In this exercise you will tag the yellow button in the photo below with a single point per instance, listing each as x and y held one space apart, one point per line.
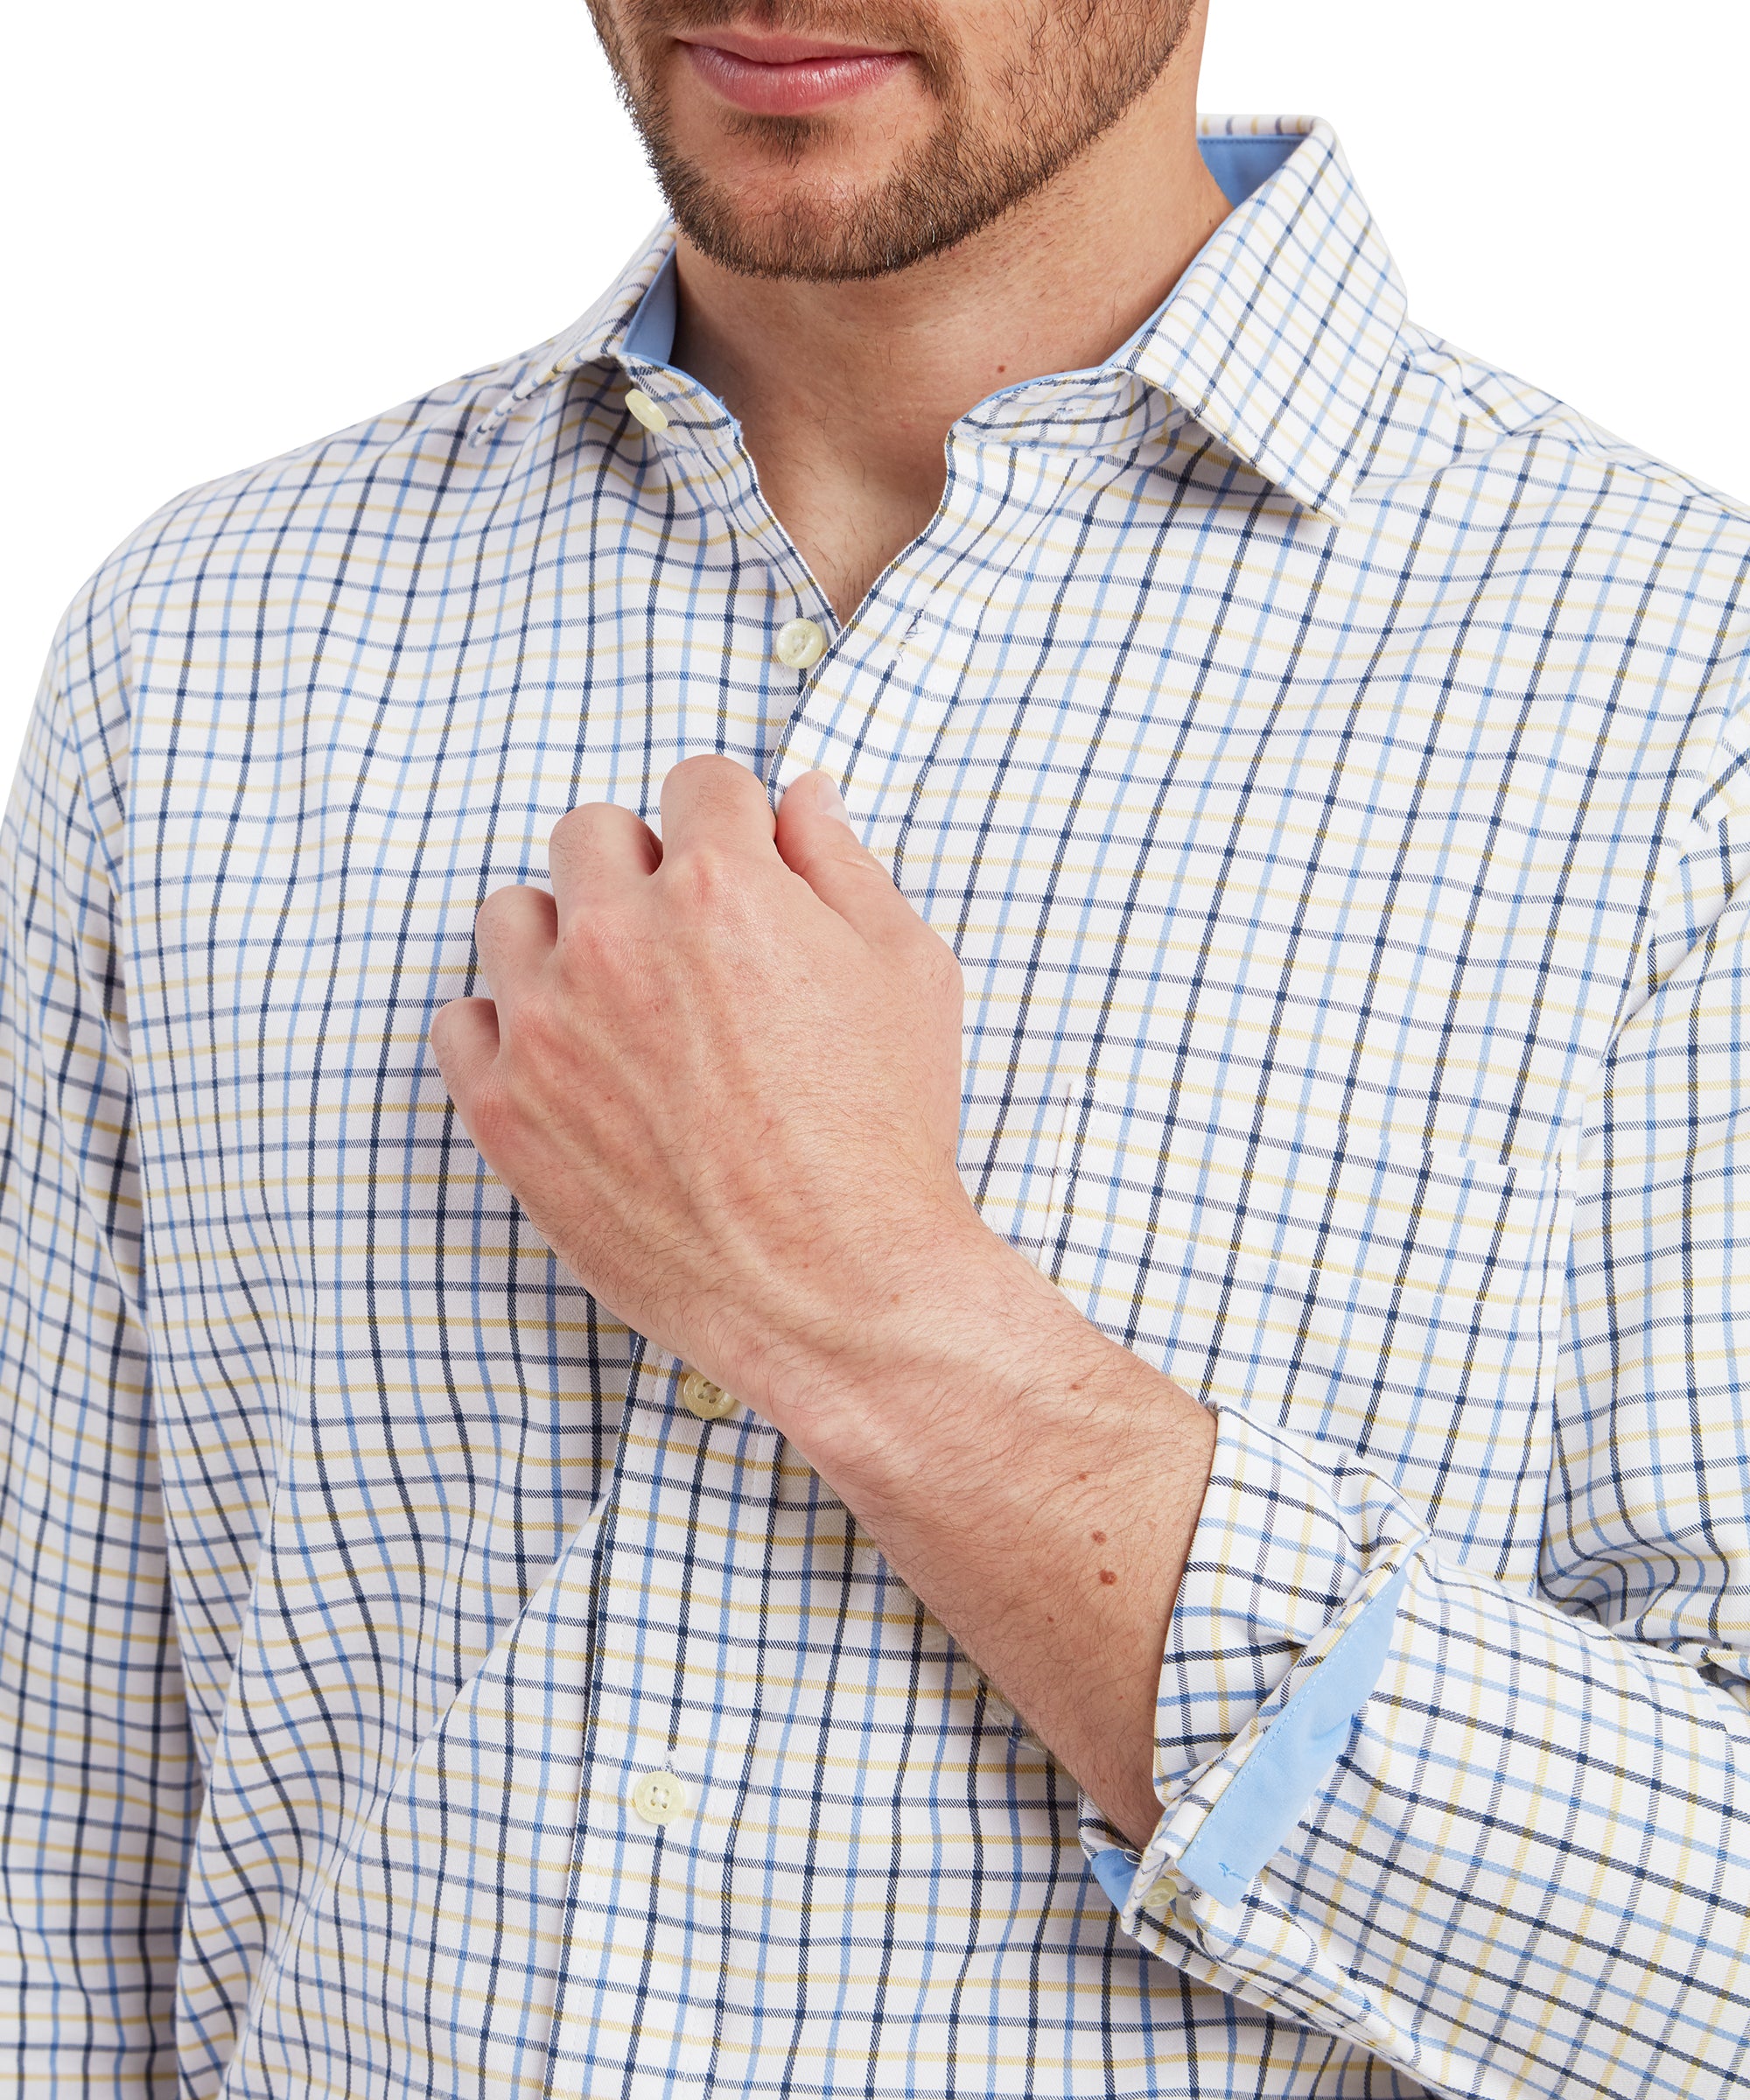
645 411
699 1397
659 1797
801 643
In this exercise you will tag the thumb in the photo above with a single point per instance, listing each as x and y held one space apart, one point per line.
817 842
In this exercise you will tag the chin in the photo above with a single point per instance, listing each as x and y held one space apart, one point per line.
830 225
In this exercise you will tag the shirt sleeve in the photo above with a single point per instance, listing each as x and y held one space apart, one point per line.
1501 1840
96 1775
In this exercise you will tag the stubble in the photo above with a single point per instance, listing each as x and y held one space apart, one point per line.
1075 67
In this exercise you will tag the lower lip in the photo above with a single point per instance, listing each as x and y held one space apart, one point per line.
792 89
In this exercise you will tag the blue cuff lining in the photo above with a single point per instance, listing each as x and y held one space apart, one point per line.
1267 1796
1114 1870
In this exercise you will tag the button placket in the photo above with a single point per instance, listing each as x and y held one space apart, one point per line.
653 1837
874 711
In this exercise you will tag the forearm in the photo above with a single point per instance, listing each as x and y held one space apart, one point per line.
1037 1486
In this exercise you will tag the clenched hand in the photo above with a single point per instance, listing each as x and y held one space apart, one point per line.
722 1075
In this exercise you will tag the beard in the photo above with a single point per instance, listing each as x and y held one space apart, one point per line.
1080 65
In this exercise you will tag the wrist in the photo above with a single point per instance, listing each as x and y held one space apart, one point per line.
966 1357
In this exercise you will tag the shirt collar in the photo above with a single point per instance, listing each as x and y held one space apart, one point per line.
1273 340
1275 337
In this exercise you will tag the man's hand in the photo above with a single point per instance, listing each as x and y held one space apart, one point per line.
721 1075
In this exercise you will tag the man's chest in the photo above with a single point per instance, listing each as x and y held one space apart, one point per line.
1295 912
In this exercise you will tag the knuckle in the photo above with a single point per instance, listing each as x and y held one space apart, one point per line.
707 766
706 878
594 951
579 826
707 785
498 910
446 1033
572 827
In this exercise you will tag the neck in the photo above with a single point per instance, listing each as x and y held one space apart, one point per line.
845 392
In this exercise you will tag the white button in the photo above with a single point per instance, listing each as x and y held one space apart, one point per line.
659 1797
701 1397
645 411
801 643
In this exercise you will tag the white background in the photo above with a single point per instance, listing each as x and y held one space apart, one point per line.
233 225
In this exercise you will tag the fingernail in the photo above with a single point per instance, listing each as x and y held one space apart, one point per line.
829 802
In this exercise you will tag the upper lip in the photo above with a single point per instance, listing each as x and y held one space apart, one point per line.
768 50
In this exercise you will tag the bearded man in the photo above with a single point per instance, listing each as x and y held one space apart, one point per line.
1023 1375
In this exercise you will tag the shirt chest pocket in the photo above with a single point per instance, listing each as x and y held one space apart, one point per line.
1397 1304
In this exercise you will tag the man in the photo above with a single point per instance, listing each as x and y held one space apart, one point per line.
1158 1509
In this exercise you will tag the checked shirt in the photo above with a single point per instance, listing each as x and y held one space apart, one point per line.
1328 756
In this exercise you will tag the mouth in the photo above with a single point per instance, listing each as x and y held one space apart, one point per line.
770 75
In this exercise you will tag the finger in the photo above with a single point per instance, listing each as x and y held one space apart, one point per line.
465 1042
712 801
598 851
817 841
515 931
